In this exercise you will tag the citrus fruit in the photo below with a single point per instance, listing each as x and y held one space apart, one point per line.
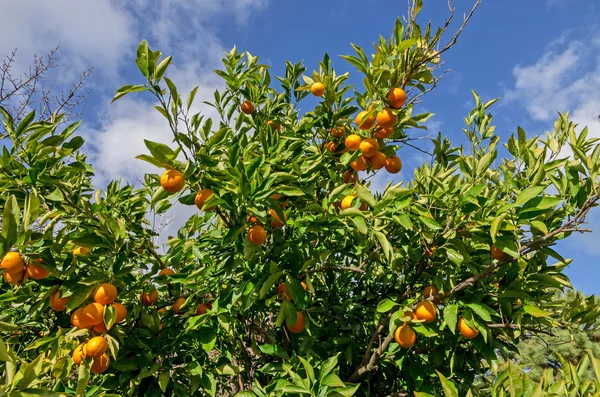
105 294
121 312
426 311
172 181
298 326
363 122
257 235
12 262
393 164
57 303
100 364
396 98
148 299
377 161
350 176
465 330
93 313
317 89
352 142
37 272
360 164
177 305
405 336
386 118
247 107
201 198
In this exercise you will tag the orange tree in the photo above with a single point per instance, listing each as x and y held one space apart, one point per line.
294 277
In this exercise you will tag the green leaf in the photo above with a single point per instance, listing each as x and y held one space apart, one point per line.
332 380
508 245
128 89
191 96
328 366
79 296
448 387
404 220
208 338
161 68
365 195
274 350
110 316
451 317
430 223
480 310
32 371
528 194
385 245
163 380
269 283
386 305
245 393
82 379
496 223
10 220
535 311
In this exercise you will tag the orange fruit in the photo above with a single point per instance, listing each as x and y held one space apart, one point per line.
93 313
177 305
384 132
363 207
369 147
426 311
350 176
337 132
347 202
432 291
386 118
497 253
100 364
274 125
276 221
105 294
172 181
257 235
148 299
12 262
166 272
396 98
282 291
331 146
57 303
14 278
405 336
410 314
360 164
298 326
121 312
203 308
77 319
352 142
364 123
465 330
201 198
317 89
79 354
393 164
100 328
377 161
277 197
81 251
36 272
247 107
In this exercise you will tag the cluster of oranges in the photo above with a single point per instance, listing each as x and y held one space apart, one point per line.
15 270
426 311
298 326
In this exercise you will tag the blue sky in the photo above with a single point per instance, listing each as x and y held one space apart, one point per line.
540 56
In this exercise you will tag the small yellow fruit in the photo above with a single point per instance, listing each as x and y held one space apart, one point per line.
317 89
365 123
369 147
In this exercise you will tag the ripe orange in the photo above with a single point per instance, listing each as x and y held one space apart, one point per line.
177 305
369 147
148 299
347 202
377 161
277 197
201 198
331 146
465 330
37 272
384 132
83 251
100 364
247 107
410 314
166 272
77 319
251 219
274 125
337 132
79 354
100 328
497 253
121 312
393 164
386 118
14 278
317 89
172 181
396 98
360 164
405 336
105 294
93 313
257 235
12 262
297 327
365 123
350 176
432 291
203 308
57 303
352 142
426 311
276 221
